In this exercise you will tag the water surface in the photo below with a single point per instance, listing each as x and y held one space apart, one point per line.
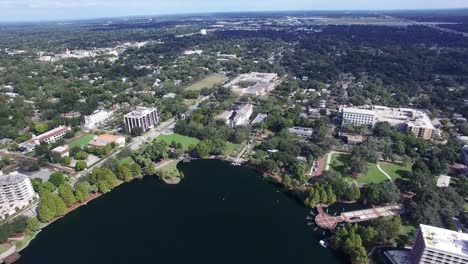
217 214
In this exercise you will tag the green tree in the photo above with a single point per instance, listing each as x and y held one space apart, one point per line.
57 178
33 225
124 173
103 186
82 190
41 127
66 193
81 165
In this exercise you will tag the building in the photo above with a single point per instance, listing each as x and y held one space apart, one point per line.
435 245
301 131
16 192
96 119
253 84
48 137
238 117
443 181
142 117
103 140
404 119
203 32
464 154
63 151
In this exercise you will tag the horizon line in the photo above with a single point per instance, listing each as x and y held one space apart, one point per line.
223 12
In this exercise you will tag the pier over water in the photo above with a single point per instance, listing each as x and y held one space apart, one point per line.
327 221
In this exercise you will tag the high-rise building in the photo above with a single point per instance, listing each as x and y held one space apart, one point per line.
16 192
434 245
142 117
96 119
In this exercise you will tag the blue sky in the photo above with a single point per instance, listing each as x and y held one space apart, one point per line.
37 10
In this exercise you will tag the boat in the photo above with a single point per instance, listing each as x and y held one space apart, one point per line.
310 223
309 217
323 243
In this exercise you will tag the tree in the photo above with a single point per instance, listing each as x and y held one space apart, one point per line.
33 225
41 127
136 131
57 178
150 170
81 155
81 165
136 170
65 161
103 186
66 193
124 173
202 149
82 190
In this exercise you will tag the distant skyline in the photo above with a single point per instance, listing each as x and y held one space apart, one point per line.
46 10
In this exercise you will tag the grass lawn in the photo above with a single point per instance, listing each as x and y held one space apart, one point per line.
4 247
396 171
232 149
81 142
207 82
373 174
171 166
184 140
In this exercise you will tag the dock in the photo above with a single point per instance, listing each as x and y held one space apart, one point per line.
327 221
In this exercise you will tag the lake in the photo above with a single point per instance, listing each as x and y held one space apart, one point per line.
217 214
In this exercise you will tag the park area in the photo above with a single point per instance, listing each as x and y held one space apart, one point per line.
373 175
185 141
81 142
207 82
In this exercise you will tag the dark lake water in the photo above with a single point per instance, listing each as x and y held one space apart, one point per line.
217 214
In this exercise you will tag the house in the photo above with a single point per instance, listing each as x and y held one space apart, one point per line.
63 151
103 140
301 131
48 137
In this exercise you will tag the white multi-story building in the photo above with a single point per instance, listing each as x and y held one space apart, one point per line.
96 119
48 137
16 192
238 117
142 117
253 84
434 245
414 120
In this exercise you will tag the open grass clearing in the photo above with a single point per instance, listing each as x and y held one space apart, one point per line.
81 142
207 82
184 140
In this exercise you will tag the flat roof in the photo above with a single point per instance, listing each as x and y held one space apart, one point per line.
140 112
443 181
445 240
60 149
13 178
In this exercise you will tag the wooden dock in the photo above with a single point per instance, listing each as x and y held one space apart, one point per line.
327 221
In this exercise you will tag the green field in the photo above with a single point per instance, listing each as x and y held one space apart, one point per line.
184 140
396 171
4 247
373 174
232 149
171 166
207 82
81 142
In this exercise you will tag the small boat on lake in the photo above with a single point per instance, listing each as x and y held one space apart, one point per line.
323 243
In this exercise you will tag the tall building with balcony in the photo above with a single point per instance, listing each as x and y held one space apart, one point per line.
142 117
434 245
96 119
16 192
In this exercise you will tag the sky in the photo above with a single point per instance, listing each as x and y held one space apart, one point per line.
42 10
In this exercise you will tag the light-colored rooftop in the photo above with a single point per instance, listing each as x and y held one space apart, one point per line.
60 149
443 181
13 178
140 112
445 240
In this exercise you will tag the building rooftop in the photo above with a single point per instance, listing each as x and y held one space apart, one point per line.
443 181
140 112
445 240
12 178
48 134
60 149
